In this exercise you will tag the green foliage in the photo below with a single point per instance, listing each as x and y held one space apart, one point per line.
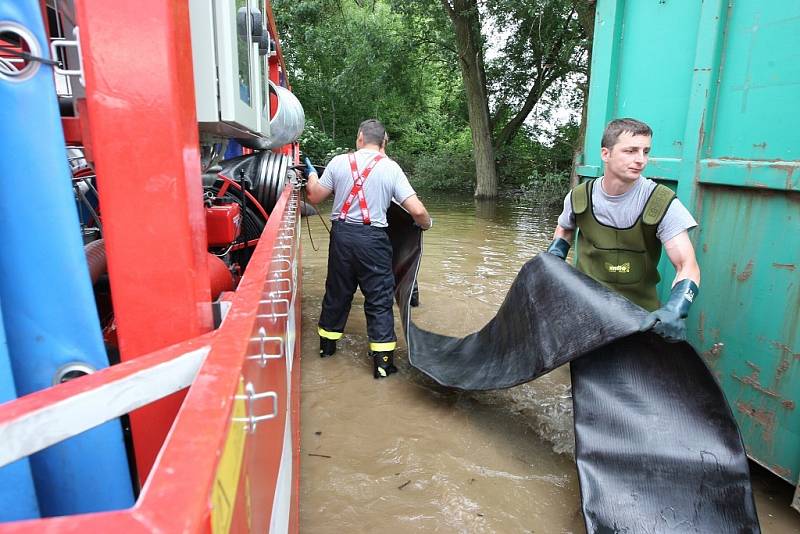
525 158
545 41
565 142
396 60
550 187
444 171
533 168
450 167
349 61
315 143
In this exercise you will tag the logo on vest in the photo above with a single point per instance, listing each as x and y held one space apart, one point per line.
623 268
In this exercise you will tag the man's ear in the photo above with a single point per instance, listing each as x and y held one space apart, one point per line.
604 154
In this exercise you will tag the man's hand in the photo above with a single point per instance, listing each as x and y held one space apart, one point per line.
559 248
424 228
669 321
417 210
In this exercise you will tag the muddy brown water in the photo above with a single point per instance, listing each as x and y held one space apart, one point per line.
404 454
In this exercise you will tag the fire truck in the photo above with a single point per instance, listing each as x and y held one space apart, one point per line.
150 294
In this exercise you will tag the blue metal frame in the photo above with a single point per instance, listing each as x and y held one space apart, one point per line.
17 494
49 311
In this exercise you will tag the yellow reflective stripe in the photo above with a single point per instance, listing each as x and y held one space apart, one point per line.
229 468
329 335
383 347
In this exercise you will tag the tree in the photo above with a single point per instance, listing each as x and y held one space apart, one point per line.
544 43
430 69
470 46
348 61
586 13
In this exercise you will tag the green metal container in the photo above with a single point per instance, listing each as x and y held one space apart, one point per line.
719 83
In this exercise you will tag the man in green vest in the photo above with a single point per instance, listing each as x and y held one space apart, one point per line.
624 219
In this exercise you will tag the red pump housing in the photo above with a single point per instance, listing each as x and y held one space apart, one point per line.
223 224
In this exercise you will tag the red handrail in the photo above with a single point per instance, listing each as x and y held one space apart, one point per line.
176 497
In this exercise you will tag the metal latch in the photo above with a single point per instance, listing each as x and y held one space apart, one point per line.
283 286
57 43
282 261
251 397
263 356
273 314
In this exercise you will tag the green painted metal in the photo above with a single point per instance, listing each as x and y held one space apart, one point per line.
719 82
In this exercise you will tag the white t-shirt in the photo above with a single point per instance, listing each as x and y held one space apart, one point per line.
385 181
621 211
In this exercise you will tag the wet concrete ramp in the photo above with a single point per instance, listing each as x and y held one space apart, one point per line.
657 447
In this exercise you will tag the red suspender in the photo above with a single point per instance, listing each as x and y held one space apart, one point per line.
358 188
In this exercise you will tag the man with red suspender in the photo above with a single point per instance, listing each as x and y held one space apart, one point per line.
360 254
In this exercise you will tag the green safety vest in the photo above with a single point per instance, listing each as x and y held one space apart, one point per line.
626 259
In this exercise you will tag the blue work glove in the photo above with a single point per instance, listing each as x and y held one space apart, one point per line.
559 248
669 321
309 168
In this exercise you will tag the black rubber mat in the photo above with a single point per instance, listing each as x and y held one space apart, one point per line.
657 447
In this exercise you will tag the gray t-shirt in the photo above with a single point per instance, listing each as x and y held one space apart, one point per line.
385 181
621 211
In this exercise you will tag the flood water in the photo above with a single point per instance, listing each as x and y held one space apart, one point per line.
403 454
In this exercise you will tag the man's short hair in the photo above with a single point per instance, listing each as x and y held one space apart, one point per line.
617 127
373 132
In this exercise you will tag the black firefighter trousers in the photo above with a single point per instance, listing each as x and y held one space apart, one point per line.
359 255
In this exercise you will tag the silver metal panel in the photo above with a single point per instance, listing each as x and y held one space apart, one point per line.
263 95
201 18
237 90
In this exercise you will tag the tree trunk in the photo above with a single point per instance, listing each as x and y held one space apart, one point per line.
466 22
333 119
586 16
511 129
321 120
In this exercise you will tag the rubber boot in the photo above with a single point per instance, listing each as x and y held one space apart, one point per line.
383 364
327 347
